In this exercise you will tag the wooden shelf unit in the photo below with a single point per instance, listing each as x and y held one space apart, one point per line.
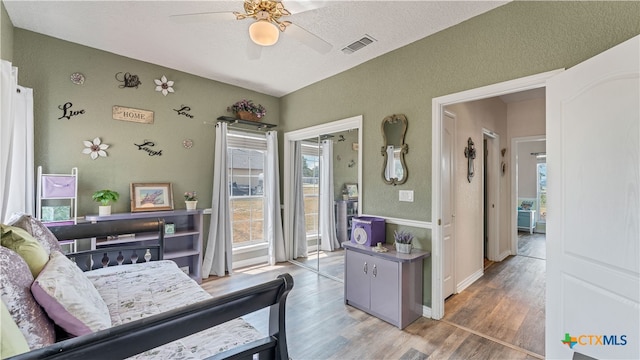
184 246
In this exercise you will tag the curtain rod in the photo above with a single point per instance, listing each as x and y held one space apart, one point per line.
259 125
261 131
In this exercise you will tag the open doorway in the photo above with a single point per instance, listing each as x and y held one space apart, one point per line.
531 196
438 107
492 288
491 191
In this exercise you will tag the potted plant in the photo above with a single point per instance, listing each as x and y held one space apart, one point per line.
403 241
191 200
247 110
105 197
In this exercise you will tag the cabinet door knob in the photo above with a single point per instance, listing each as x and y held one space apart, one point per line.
375 270
365 269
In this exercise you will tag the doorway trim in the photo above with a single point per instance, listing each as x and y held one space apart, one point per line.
437 108
290 137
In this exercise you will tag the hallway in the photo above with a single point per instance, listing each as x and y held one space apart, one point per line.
507 304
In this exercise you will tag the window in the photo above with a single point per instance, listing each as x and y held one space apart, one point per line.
542 192
246 174
311 189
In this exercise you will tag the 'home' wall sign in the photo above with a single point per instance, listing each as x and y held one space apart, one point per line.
134 115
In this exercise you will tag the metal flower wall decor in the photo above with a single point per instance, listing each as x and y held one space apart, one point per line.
164 85
95 149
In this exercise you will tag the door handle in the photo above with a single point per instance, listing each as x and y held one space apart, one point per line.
365 269
375 270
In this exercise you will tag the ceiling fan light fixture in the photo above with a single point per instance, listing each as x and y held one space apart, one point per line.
263 32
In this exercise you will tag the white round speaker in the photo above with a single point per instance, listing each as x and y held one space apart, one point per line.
360 235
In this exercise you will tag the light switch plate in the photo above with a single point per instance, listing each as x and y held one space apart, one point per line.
406 195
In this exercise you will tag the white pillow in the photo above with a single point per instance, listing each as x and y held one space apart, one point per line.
69 298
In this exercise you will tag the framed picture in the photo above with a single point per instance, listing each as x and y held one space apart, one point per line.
151 197
352 190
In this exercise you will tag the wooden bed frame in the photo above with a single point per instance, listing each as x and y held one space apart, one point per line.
141 335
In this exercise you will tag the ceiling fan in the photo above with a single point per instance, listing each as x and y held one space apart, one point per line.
268 24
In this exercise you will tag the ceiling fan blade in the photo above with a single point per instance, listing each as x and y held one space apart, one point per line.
253 50
203 17
296 7
309 39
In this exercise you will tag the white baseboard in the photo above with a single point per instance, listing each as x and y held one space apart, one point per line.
426 312
504 255
469 280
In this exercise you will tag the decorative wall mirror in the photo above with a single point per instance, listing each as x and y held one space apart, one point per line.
394 169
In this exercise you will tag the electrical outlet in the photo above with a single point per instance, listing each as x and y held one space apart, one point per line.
406 195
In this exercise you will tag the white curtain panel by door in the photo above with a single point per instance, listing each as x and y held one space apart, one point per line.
16 145
218 255
274 233
299 222
329 239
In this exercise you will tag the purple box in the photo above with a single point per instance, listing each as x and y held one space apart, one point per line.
368 230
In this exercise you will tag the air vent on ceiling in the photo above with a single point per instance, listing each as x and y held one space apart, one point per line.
359 44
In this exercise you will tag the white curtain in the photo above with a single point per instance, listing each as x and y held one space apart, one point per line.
218 255
390 171
272 194
16 145
329 239
299 223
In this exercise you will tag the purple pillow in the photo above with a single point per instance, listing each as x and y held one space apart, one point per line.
15 290
69 297
37 229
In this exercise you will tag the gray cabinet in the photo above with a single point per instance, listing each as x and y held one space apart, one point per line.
387 285
183 245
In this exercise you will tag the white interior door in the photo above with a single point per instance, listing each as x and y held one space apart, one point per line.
448 147
593 227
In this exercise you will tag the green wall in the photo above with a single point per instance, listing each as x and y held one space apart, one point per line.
45 65
512 41
6 35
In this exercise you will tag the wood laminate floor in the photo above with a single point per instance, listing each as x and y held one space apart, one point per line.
508 302
328 262
532 245
321 326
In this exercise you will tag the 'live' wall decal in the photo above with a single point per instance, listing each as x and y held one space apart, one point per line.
67 113
184 110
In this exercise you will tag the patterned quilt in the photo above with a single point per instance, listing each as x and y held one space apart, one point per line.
136 291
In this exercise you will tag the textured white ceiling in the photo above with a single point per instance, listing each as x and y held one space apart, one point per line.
217 49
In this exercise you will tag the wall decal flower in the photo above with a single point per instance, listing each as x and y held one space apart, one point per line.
164 85
95 148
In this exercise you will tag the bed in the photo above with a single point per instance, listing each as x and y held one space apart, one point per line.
155 310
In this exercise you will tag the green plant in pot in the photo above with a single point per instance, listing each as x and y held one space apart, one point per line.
105 198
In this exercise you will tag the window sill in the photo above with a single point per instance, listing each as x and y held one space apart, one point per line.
250 248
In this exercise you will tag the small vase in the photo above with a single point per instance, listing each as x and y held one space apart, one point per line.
403 248
191 205
104 210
